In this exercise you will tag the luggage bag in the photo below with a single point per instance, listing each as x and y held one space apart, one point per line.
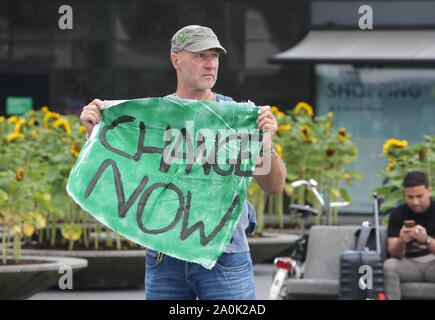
361 271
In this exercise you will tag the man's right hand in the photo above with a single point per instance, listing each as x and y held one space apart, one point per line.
405 234
91 115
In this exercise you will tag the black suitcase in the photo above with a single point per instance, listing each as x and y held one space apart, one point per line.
361 272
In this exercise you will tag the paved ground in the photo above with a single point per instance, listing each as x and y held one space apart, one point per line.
262 272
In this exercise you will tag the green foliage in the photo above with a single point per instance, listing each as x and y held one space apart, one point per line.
311 148
37 152
402 159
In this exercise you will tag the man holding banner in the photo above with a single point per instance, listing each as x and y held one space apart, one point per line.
195 52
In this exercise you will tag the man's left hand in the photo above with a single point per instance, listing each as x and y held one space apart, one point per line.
419 233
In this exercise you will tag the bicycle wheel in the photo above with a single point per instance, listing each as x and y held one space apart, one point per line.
278 290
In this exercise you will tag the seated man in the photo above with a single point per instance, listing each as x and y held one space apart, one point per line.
410 243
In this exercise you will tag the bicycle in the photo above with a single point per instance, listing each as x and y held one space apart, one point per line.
293 266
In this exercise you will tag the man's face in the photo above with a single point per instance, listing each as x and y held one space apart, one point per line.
197 70
418 198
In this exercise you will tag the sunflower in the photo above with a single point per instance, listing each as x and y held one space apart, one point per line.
49 115
305 131
2 118
342 135
284 127
13 119
275 110
303 105
391 165
75 149
394 143
62 122
20 174
330 152
422 153
18 124
45 109
82 128
32 122
279 149
14 136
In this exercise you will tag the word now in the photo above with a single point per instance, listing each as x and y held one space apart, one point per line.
123 206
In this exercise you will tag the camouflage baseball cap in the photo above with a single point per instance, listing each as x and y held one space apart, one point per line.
194 39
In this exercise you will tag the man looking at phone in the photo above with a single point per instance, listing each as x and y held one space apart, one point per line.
410 243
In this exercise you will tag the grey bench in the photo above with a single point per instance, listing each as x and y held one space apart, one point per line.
322 268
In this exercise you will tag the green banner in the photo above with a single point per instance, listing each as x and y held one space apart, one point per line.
170 174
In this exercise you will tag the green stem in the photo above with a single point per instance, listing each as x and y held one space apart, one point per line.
109 238
41 236
16 248
53 229
97 234
280 208
118 241
4 245
260 212
85 228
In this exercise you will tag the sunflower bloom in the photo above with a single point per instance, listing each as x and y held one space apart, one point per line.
45 109
82 128
275 110
342 135
279 149
330 152
20 174
32 122
2 118
62 122
284 127
13 119
394 143
49 115
75 149
14 136
18 124
305 131
305 106
391 165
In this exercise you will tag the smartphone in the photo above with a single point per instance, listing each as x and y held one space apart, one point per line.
409 223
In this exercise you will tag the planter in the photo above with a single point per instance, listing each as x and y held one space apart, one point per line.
107 269
24 280
270 245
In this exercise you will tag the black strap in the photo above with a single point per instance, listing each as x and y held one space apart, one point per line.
362 238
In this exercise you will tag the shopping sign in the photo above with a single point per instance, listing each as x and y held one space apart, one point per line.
170 174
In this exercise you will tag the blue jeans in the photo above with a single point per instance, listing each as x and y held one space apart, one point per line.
232 277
